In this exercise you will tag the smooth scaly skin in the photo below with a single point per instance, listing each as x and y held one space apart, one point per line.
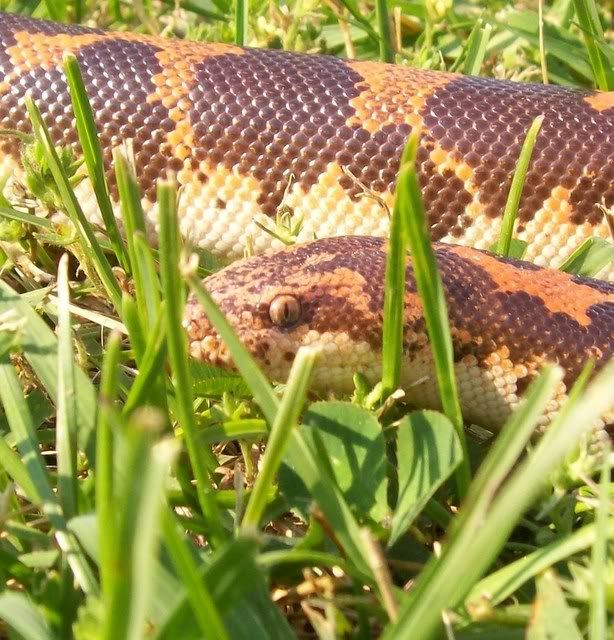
249 130
507 318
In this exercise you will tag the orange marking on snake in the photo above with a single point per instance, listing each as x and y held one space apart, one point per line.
447 160
387 85
179 59
42 50
601 100
554 288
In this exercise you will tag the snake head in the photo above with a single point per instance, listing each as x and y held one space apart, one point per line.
327 293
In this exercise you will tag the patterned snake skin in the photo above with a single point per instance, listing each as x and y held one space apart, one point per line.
249 130
250 133
508 317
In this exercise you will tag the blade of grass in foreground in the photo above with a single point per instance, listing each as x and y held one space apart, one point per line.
446 581
205 612
66 421
146 284
497 464
241 13
588 18
513 199
386 52
285 420
138 503
431 292
396 261
18 611
590 257
202 459
476 51
87 237
105 491
40 347
92 154
505 581
599 559
20 421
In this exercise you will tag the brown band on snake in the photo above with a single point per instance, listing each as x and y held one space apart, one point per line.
274 117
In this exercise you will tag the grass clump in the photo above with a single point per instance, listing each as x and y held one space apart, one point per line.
137 494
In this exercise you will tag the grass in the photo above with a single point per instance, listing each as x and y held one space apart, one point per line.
137 496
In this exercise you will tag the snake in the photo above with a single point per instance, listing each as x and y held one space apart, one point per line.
261 139
507 319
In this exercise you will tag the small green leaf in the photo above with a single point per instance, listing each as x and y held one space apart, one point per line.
590 257
312 468
352 440
209 381
21 614
552 616
40 559
428 451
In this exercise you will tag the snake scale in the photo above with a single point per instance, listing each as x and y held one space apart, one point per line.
251 132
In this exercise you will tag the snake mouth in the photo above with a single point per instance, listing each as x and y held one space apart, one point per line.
211 350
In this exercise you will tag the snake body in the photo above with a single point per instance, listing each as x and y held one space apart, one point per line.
507 319
253 133
250 132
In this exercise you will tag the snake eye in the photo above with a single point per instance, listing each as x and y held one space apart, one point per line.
284 310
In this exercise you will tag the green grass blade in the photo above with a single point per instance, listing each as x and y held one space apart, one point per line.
28 218
386 50
356 13
241 14
394 293
588 18
92 154
66 423
147 387
253 376
599 557
501 584
40 347
238 430
87 236
431 291
18 415
203 606
17 471
202 459
513 199
132 322
56 10
590 257
148 292
130 198
476 50
508 447
469 521
138 502
105 493
447 581
17 610
19 419
281 430
146 285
